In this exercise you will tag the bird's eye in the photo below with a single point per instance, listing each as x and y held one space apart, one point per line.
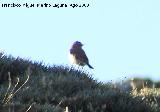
78 43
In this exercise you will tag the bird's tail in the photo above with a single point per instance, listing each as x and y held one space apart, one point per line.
90 66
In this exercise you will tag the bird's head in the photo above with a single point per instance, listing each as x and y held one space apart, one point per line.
77 44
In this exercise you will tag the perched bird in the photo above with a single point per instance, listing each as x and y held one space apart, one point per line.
78 56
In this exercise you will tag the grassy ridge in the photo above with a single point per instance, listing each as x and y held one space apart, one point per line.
52 89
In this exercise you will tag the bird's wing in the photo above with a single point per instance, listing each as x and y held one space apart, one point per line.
81 55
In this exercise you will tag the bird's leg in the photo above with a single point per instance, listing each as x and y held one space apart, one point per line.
82 68
71 68
78 68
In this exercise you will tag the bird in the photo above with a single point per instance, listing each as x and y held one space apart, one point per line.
78 55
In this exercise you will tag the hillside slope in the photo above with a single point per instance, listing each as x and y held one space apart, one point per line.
52 89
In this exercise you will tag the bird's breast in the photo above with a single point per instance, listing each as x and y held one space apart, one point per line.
72 59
